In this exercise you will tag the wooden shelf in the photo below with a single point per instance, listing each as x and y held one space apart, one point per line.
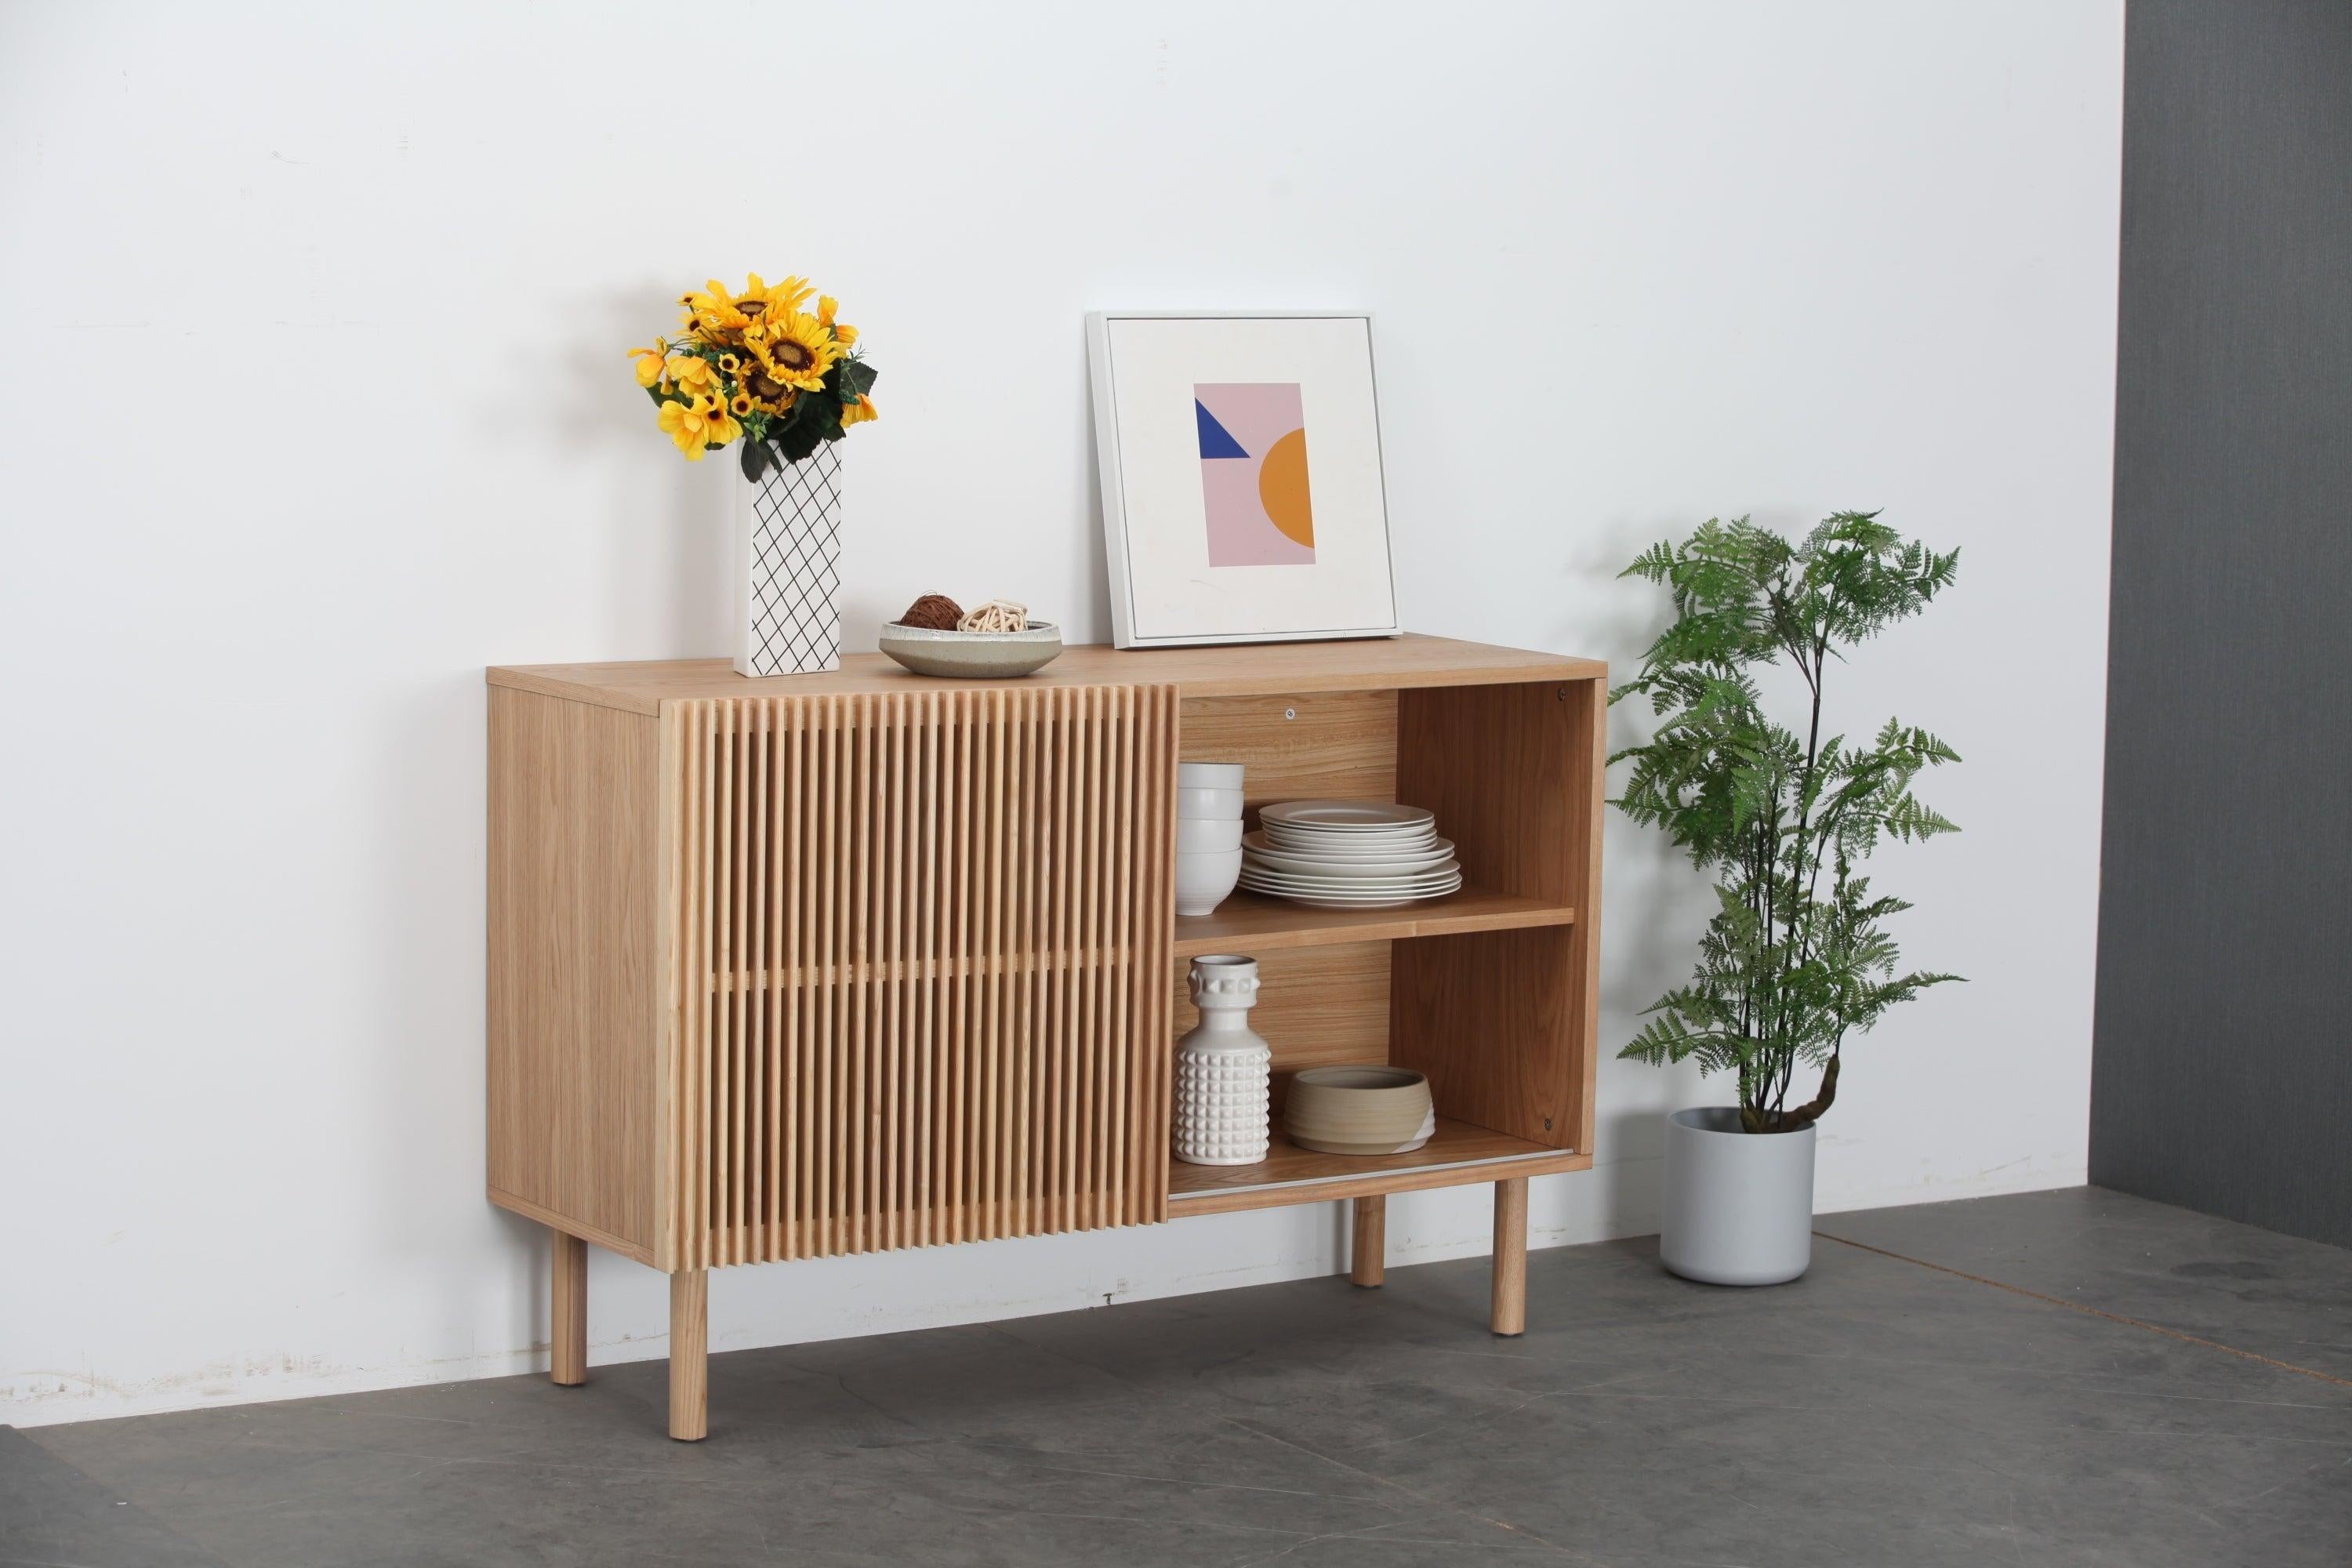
1457 1155
1251 922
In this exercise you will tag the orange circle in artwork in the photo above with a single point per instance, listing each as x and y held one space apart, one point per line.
1282 487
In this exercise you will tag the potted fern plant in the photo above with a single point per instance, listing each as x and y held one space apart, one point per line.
1796 960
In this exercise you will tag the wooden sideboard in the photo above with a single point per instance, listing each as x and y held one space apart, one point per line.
818 964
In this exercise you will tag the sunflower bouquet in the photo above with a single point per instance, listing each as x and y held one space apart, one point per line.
756 367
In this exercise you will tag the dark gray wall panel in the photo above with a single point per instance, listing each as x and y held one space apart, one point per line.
2221 1074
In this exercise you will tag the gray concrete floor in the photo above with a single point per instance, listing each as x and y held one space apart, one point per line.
1879 1412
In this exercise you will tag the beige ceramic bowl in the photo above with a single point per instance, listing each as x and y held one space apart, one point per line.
972 656
1358 1109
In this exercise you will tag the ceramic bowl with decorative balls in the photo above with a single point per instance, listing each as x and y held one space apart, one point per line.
995 642
1358 1110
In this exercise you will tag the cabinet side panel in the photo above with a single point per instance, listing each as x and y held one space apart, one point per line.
575 980
1587 804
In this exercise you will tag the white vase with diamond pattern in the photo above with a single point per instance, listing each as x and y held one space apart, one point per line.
1222 1069
788 566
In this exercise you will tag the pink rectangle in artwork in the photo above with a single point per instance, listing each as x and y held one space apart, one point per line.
1254 473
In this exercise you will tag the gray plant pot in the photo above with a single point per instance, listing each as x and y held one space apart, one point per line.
1739 1205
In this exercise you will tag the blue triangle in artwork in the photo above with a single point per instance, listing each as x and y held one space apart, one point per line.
1215 440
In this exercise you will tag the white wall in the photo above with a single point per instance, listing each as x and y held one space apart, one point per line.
317 404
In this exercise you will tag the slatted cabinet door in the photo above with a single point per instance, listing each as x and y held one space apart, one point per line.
920 947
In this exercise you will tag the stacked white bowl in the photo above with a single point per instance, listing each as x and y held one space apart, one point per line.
1208 835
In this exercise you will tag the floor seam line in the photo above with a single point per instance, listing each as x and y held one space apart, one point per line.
2089 1311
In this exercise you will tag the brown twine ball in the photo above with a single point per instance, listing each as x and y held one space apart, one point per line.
933 612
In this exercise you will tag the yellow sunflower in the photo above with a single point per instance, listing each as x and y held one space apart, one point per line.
844 333
698 426
649 362
714 314
768 394
794 350
764 304
859 412
741 403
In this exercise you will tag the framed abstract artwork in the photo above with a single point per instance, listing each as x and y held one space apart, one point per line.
1243 495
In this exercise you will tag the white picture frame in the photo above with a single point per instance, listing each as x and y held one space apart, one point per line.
1196 553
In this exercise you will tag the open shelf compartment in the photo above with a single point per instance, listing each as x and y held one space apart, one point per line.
1488 992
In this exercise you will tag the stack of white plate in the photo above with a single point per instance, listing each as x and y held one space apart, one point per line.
1349 854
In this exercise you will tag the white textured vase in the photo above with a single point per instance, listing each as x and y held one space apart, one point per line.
788 567
1221 1069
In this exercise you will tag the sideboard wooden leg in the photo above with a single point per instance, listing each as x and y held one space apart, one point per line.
567 1317
1367 1258
1510 1308
690 1355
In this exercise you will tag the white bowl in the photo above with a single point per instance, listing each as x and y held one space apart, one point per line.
1209 775
1204 879
1197 834
972 656
1213 805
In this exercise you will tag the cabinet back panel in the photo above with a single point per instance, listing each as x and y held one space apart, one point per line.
921 938
1315 1005
1334 744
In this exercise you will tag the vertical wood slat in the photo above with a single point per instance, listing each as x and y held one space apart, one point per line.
778 994
825 814
698 1082
925 842
860 1128
803 1017
1122 962
960 987
1069 746
1035 955
1082 945
999 873
886 1094
730 1084
921 949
